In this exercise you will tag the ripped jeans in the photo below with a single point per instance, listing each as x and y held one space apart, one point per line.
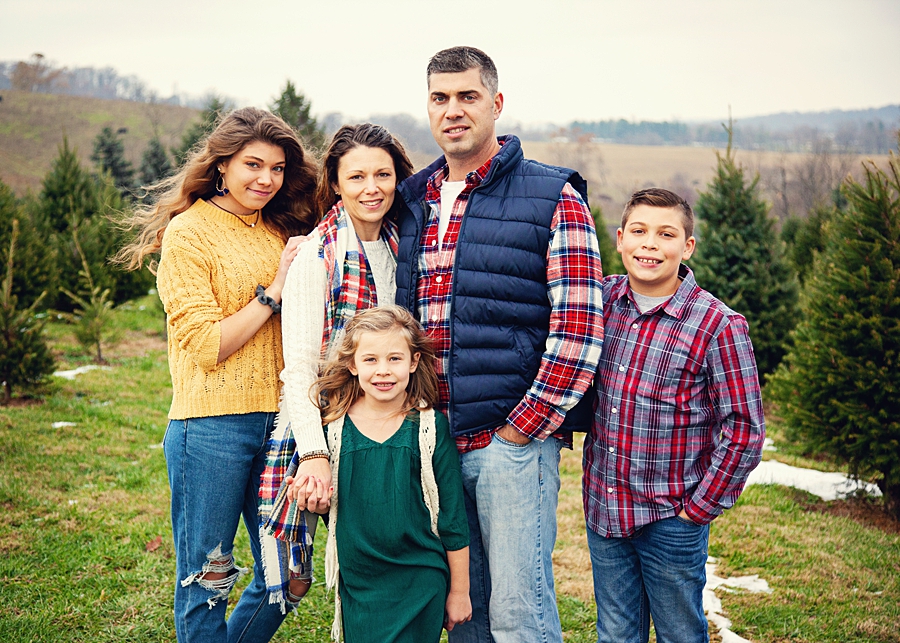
214 465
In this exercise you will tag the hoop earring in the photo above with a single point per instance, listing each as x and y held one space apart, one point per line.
221 190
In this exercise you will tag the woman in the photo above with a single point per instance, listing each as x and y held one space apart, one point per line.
347 266
225 226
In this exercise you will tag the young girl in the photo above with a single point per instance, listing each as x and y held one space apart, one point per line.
398 537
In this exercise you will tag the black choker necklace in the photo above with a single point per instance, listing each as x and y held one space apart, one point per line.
239 216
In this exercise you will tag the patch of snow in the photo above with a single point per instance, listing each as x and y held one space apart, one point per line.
713 606
769 445
828 486
70 375
62 425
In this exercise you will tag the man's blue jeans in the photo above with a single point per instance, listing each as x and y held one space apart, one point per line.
660 571
214 465
511 493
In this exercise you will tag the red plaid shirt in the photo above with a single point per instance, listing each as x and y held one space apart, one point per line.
573 289
679 421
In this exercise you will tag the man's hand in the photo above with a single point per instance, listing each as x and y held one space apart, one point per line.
508 433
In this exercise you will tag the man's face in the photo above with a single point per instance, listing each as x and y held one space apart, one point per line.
462 115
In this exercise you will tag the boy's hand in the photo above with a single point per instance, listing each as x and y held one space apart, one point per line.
682 514
458 609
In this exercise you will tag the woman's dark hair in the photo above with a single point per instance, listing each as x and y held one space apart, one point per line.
348 138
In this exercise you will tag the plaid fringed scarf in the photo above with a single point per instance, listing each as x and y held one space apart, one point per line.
350 287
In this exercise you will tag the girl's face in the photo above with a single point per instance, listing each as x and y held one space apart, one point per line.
383 363
252 177
366 182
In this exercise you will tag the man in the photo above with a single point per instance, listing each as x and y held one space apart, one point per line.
499 260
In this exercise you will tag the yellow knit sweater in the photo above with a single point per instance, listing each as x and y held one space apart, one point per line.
210 266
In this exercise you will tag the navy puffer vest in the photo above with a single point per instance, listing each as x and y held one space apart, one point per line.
500 314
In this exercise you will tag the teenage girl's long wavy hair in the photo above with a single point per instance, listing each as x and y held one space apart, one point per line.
290 212
337 389
348 138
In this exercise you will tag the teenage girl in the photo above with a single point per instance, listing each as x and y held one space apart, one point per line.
226 229
398 537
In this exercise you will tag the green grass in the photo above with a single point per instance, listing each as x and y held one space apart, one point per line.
80 505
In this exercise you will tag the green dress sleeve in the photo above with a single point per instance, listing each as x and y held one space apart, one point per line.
453 526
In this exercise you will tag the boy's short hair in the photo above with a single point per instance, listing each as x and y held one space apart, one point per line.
661 198
459 59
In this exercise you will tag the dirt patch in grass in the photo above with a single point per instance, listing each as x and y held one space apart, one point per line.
21 402
136 344
866 512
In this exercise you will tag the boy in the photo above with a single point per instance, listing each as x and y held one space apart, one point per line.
678 427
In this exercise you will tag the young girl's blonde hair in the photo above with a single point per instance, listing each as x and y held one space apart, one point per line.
289 213
337 389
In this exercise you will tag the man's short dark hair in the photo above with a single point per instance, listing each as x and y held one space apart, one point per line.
661 198
459 59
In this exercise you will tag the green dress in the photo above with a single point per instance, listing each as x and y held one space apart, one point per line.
394 577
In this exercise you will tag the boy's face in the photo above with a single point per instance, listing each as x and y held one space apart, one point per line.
652 246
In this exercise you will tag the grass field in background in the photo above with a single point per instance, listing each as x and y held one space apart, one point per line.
86 552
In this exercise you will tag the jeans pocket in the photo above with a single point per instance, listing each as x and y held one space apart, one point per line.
514 445
687 521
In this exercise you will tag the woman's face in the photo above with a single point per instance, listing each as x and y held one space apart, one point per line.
252 177
366 182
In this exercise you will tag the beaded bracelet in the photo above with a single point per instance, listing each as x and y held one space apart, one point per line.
312 455
265 300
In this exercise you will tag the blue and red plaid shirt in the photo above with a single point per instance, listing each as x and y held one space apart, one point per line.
679 420
573 288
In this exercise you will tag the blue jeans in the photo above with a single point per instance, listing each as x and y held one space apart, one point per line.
511 493
660 571
214 465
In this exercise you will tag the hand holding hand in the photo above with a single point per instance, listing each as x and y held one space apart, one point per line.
311 487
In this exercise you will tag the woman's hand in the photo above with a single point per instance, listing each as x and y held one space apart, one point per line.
284 264
311 488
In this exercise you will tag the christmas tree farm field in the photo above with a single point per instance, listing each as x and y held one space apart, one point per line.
86 547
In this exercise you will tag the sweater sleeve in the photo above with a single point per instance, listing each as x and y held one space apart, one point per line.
302 325
453 526
184 283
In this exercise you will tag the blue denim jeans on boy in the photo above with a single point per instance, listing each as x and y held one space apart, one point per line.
214 466
660 571
511 494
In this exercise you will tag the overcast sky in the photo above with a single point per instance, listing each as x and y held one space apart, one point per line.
558 60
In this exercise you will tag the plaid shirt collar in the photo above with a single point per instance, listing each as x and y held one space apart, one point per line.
675 306
473 178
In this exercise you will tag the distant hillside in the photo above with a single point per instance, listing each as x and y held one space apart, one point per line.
830 121
32 127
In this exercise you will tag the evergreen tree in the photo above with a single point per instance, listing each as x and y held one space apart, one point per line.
109 156
68 190
34 270
740 259
95 313
25 358
72 196
609 256
838 390
804 238
294 108
199 130
155 163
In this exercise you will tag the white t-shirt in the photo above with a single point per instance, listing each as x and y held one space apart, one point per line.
450 191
